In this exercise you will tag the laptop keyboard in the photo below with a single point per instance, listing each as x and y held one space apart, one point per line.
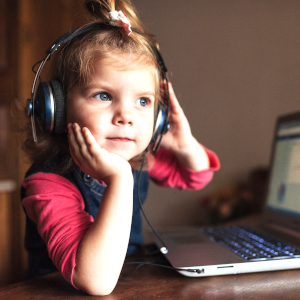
250 244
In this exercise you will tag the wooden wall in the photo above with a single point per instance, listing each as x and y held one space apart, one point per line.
27 30
11 258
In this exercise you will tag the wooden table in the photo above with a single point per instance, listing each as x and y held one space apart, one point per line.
151 282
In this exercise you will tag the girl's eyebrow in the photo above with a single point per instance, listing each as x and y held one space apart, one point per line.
148 93
94 86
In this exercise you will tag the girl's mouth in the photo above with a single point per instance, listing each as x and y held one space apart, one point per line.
120 139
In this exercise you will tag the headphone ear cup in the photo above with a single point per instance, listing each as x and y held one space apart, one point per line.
59 105
158 124
161 127
49 107
44 106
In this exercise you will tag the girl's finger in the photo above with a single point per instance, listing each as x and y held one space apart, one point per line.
72 140
174 104
80 141
92 145
74 150
77 162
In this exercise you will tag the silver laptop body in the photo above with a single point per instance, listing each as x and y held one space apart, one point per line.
192 249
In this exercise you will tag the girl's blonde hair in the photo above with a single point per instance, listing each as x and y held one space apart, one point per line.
74 64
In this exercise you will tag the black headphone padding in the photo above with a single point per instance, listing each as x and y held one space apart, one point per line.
60 107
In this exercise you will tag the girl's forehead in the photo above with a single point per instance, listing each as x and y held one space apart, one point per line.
105 71
132 65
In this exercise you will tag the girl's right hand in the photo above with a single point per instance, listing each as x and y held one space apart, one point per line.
91 158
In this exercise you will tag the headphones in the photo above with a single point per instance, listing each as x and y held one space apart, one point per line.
47 103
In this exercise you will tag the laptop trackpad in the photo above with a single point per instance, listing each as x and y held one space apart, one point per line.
197 250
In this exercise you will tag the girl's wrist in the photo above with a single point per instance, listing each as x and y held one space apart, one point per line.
193 156
123 175
184 152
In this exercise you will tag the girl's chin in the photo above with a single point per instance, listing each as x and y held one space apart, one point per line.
124 154
132 159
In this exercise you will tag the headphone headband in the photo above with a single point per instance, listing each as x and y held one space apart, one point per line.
74 33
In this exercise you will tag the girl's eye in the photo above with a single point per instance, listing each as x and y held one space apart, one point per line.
102 97
142 102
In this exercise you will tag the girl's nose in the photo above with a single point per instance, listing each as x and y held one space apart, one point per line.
123 116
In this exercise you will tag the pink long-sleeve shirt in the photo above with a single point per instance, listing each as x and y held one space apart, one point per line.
57 206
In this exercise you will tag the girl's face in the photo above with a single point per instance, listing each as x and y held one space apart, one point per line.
117 106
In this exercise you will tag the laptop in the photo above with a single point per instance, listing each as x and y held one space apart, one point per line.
273 243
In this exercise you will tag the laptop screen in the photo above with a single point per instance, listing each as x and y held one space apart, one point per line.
284 185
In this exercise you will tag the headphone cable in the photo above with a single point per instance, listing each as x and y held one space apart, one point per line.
164 248
140 264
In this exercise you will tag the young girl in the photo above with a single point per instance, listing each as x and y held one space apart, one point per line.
80 195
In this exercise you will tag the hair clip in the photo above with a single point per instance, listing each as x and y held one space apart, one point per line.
117 18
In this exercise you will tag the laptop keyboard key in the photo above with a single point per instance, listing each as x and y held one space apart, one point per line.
249 244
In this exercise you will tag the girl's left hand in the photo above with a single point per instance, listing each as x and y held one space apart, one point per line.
179 138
